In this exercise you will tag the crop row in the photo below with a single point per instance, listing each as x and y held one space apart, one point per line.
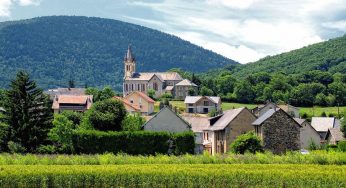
315 157
173 175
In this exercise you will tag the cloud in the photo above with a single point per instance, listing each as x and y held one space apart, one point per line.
5 5
234 4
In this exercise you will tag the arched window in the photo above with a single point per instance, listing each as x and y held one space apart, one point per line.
155 86
126 87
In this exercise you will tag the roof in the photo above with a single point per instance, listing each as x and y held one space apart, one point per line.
169 88
299 120
126 102
226 118
186 82
264 117
128 55
322 124
164 76
65 91
143 95
194 99
71 99
336 133
198 124
286 107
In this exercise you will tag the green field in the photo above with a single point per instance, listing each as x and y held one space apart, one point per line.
173 175
310 111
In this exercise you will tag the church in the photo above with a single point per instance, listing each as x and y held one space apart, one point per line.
161 82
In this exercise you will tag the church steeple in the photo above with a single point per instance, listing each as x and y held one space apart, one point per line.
129 63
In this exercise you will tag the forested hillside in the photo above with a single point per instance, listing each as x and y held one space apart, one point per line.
325 56
90 51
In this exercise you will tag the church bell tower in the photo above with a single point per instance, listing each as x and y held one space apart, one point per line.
129 63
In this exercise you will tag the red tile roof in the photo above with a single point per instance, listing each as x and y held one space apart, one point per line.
126 102
144 96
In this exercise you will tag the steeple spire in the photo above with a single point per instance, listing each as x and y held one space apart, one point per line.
128 55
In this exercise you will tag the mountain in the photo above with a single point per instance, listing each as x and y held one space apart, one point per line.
90 51
325 56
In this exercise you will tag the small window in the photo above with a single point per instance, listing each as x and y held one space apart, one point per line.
206 103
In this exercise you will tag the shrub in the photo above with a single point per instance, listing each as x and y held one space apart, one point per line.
61 133
132 123
135 143
75 117
15 147
248 142
47 149
342 146
185 143
106 115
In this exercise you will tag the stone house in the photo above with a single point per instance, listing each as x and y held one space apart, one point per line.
161 82
141 101
130 108
202 104
334 135
278 130
225 128
182 88
308 134
198 124
77 103
262 109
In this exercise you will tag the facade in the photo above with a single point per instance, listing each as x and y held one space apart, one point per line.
262 109
130 108
182 88
64 91
202 104
141 101
167 120
308 134
278 130
225 128
77 103
161 82
322 124
198 124
334 135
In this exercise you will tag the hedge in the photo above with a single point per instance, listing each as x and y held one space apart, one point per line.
134 143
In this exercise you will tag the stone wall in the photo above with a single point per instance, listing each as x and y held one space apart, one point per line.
280 133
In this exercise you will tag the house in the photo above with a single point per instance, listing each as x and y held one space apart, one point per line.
278 130
130 108
262 109
322 124
225 128
142 101
334 135
308 134
182 88
167 120
202 104
78 103
198 125
64 91
161 82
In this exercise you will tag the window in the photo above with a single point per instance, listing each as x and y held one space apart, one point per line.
131 101
155 86
190 104
126 87
206 103
138 85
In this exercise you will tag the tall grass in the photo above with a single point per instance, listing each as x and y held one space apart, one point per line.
315 157
173 175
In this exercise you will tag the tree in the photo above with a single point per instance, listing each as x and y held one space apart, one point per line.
244 92
27 112
106 115
132 123
196 80
151 93
75 117
225 84
191 92
99 95
61 133
304 94
248 142
338 89
206 91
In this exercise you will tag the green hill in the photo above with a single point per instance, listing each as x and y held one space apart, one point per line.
325 56
91 50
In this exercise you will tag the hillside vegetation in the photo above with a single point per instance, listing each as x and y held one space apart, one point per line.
325 56
90 51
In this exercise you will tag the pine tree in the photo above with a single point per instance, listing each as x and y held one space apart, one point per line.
27 113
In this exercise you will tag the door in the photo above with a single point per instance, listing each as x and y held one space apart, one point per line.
205 110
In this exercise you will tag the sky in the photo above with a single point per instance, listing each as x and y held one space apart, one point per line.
242 30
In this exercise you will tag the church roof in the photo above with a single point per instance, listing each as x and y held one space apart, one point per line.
128 55
186 82
161 75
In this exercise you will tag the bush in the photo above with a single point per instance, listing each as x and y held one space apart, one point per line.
185 143
135 143
342 146
15 147
47 149
61 133
132 123
75 117
248 142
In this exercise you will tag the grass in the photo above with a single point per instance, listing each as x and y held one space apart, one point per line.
310 111
173 175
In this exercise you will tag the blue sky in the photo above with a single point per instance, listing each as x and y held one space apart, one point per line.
243 30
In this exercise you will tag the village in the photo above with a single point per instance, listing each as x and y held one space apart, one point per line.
279 126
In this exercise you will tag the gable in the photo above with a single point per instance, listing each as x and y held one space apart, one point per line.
167 120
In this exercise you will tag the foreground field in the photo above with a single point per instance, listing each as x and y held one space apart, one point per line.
315 157
310 111
172 175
